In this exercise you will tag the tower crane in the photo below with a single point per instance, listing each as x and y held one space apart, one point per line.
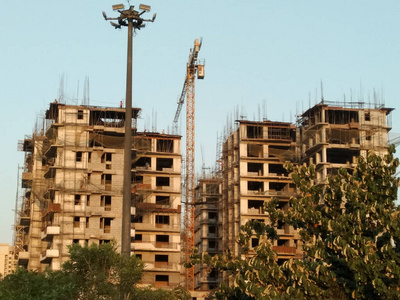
188 92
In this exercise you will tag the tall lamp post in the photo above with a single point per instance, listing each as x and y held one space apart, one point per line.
133 20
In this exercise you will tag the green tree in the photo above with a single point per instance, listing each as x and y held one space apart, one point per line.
23 284
102 273
350 232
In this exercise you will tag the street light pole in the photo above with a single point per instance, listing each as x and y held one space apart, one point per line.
132 19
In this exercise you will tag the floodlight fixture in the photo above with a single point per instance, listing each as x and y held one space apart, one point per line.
144 7
118 6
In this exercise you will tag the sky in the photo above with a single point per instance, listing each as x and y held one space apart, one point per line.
263 59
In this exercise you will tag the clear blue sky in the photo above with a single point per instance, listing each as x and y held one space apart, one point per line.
260 56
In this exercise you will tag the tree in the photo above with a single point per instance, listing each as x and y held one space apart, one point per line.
101 272
93 272
350 232
22 285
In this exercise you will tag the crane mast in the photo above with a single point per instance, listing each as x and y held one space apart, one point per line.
188 92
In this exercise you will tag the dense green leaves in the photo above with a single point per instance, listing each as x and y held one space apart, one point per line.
93 272
23 285
101 272
350 234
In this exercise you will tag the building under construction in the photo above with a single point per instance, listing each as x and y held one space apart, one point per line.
71 185
328 135
72 191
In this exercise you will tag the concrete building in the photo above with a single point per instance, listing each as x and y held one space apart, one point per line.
253 173
208 228
72 190
6 260
328 135
72 183
333 135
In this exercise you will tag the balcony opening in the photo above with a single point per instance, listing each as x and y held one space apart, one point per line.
89 157
277 169
281 133
341 116
283 243
255 204
281 152
162 200
341 156
277 186
165 146
138 237
254 150
164 163
255 186
143 163
139 256
87 222
255 168
254 132
367 116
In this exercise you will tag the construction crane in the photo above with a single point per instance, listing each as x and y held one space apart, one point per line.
188 92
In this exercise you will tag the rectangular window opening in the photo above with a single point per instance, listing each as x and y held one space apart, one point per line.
80 114
164 163
78 157
162 200
162 181
161 219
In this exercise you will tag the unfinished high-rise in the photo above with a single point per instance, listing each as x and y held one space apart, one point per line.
72 191
253 172
328 135
208 228
333 135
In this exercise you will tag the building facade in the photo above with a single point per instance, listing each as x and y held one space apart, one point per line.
328 135
6 260
72 191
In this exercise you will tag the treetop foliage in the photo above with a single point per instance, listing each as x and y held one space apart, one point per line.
93 272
